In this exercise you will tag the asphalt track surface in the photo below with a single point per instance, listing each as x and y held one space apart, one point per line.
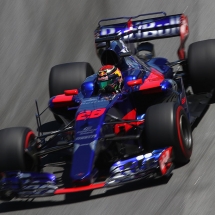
36 35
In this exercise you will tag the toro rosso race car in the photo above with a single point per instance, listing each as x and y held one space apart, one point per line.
131 120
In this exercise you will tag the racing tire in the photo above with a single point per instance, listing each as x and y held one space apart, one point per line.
166 124
201 65
67 76
13 142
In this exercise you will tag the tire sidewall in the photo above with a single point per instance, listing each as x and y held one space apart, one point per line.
201 67
64 77
162 129
182 150
14 141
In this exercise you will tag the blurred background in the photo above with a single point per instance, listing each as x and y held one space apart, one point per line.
36 35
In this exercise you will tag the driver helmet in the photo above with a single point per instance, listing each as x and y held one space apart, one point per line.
107 75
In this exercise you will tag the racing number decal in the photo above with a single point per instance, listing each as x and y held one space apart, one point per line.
97 113
88 114
83 115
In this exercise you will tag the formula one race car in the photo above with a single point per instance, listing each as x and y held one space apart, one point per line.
131 120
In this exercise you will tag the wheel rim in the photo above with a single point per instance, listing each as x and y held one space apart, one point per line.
185 132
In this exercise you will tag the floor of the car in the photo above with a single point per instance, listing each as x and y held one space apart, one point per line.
197 104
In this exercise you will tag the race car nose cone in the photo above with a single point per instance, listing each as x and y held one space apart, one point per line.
82 164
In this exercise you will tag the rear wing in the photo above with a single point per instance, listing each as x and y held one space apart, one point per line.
145 29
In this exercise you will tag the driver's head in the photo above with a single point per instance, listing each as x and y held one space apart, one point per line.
107 74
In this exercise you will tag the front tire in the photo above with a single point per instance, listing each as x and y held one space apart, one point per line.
65 77
167 125
13 142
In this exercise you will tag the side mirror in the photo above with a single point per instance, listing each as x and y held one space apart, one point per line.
71 92
134 82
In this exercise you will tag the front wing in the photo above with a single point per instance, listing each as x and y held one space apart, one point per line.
156 164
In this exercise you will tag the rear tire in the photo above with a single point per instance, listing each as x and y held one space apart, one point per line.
167 125
13 142
201 65
67 76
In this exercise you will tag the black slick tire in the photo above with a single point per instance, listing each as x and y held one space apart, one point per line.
68 76
13 142
167 125
201 65
65 77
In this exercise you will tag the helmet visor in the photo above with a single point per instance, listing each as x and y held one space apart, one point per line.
103 84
